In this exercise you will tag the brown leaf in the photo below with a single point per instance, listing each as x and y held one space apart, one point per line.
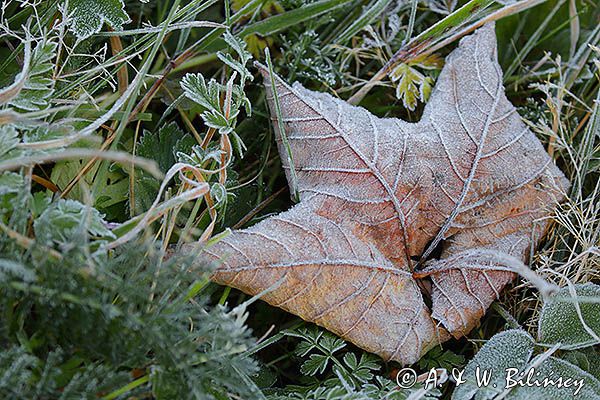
378 193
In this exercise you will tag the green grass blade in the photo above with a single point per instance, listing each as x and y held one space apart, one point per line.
280 22
365 19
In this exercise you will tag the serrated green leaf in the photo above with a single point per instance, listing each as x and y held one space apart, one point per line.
238 45
87 16
440 358
39 85
162 145
316 363
361 370
350 360
38 203
10 185
560 323
146 189
63 221
235 65
196 89
215 119
331 343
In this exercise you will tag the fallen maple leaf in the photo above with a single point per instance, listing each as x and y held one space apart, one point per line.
379 195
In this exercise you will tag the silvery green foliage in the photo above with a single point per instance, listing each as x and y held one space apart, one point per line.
161 146
67 219
208 94
554 368
339 374
22 369
239 47
10 269
509 349
87 16
39 85
587 359
222 115
11 184
9 138
560 321
513 349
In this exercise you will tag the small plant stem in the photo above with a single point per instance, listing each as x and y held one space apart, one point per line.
127 388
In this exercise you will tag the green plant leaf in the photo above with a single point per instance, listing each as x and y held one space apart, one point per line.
10 183
587 359
554 368
9 138
10 269
361 369
310 336
196 89
561 323
506 357
10 186
440 358
113 189
290 18
509 349
163 145
316 363
65 220
331 343
39 85
87 16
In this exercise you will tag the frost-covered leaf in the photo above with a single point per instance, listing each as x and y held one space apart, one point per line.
509 349
560 321
316 363
440 358
10 183
164 145
39 85
376 193
582 384
9 138
587 359
331 344
506 360
87 16
239 47
64 220
206 95
10 269
361 370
